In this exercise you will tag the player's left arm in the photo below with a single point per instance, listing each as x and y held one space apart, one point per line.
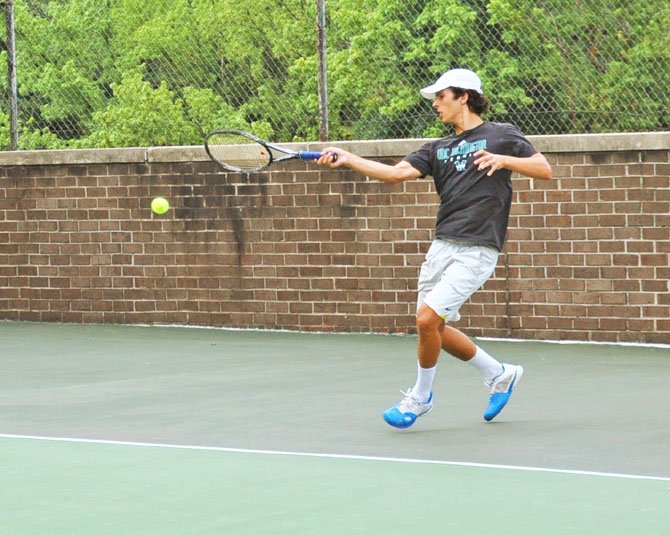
535 166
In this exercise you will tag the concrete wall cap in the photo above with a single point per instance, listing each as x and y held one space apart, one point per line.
370 149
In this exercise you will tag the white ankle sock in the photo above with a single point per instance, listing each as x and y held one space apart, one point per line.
489 367
424 382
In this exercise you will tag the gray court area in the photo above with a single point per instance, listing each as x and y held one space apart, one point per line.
579 408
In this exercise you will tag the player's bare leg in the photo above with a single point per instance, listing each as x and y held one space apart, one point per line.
417 401
499 378
457 343
429 326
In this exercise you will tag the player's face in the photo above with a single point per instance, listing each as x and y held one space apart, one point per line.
447 106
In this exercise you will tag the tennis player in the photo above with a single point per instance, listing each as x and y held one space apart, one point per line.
472 171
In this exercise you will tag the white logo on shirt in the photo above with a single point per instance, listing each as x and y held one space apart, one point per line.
460 153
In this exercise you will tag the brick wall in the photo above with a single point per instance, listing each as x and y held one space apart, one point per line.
308 248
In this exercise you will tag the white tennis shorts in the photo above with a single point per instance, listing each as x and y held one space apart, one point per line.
451 273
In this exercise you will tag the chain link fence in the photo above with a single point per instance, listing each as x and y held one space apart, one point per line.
105 73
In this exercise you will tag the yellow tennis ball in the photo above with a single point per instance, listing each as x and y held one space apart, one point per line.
160 205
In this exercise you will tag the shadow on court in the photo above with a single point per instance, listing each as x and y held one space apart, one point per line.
592 408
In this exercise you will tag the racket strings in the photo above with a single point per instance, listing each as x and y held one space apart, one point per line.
238 153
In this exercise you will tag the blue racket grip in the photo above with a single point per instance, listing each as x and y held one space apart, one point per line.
311 155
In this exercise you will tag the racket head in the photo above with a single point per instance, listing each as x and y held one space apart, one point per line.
237 151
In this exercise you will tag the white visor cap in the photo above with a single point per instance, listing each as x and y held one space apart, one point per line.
462 78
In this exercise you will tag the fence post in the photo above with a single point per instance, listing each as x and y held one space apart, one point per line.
11 73
323 77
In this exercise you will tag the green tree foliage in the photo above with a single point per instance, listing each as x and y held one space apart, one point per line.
600 71
103 73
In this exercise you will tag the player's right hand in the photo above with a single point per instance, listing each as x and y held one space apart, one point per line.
333 157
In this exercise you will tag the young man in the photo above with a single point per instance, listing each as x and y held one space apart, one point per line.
472 170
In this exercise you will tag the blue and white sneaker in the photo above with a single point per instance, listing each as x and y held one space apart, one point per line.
501 389
405 413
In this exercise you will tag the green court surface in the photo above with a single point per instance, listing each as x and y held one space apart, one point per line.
115 429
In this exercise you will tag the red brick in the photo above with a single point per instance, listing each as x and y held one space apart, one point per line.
585 244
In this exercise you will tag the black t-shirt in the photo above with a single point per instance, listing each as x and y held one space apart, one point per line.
474 208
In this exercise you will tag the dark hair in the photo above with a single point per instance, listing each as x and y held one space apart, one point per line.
477 102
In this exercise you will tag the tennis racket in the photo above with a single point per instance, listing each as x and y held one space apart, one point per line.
242 152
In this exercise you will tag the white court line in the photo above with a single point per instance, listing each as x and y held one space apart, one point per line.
333 456
575 342
399 335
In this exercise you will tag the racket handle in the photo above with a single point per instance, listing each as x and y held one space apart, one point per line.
311 155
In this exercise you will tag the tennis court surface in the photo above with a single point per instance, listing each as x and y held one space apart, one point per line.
118 429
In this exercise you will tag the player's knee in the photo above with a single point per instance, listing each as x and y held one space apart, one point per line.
427 320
